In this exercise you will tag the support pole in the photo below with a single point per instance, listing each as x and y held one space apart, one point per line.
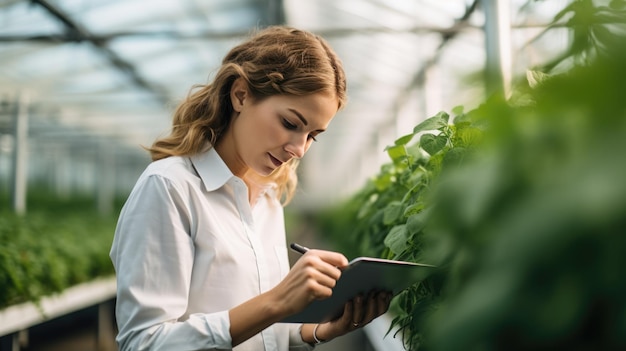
105 184
498 46
106 322
10 342
19 184
275 12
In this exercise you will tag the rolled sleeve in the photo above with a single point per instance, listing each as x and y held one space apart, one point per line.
199 332
295 339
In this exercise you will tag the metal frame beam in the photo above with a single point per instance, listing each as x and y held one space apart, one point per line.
420 73
215 35
76 33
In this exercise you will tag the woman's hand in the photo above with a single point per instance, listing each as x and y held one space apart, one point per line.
356 314
312 277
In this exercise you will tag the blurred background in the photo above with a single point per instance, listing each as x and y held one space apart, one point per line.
98 79
85 83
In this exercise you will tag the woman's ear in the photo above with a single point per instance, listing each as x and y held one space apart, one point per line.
238 94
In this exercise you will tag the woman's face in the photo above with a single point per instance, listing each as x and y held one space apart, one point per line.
267 133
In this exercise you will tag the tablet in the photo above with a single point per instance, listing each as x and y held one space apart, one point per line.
361 276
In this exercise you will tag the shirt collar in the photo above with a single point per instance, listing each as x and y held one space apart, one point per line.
215 173
211 169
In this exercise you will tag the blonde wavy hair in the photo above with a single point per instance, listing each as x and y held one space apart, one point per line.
273 61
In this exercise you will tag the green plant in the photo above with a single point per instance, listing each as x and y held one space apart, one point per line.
530 231
56 245
387 217
526 223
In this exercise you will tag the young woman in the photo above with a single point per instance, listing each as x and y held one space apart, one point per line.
199 249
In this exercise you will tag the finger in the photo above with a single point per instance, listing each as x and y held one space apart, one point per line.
334 259
312 267
317 284
312 259
348 314
308 280
342 324
384 300
358 307
371 307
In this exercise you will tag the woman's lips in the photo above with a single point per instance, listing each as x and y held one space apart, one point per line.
276 161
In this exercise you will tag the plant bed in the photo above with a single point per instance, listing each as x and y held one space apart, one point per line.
54 261
25 315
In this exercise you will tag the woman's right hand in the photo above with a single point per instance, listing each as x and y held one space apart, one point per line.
312 277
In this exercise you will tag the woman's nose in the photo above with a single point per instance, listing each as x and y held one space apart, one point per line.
297 146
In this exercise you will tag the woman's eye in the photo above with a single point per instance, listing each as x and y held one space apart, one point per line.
289 125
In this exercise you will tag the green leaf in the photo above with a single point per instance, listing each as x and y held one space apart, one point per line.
384 181
413 209
393 211
403 140
454 156
397 153
444 116
433 143
433 123
397 238
416 222
467 135
457 110
462 118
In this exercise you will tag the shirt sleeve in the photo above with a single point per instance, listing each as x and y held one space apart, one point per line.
295 339
153 257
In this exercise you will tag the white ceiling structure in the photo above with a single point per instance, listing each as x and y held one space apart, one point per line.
101 77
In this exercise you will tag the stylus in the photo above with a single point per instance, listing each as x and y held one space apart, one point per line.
299 248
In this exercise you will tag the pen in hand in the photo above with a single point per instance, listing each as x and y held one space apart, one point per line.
299 248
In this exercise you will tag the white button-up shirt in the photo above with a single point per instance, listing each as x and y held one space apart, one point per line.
188 247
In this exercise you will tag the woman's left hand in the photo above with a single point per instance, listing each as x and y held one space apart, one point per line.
356 313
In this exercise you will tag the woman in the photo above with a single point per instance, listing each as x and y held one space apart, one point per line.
199 249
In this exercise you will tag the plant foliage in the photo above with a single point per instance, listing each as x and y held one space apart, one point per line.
58 244
520 203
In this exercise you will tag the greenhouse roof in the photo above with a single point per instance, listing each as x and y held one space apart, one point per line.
106 74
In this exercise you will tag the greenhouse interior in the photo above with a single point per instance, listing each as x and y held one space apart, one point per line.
482 141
